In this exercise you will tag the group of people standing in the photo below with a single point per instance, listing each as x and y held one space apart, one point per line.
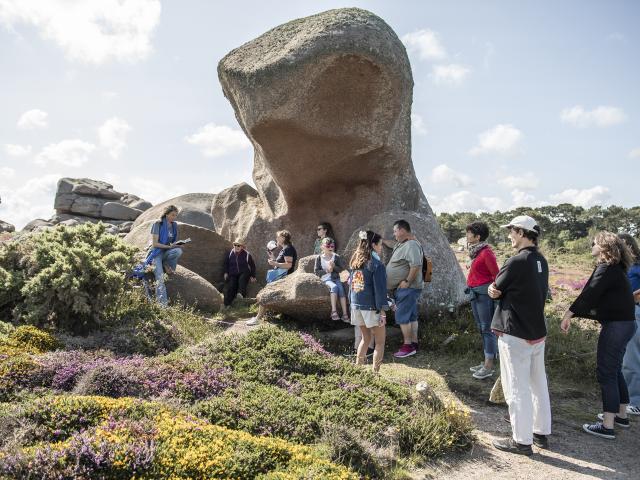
507 303
508 306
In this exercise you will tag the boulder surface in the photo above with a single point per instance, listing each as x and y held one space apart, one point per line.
190 288
195 209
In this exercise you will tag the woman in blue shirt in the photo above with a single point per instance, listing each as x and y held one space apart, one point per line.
631 361
369 296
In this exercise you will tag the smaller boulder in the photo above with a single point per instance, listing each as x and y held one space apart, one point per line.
38 222
195 209
190 288
6 227
117 211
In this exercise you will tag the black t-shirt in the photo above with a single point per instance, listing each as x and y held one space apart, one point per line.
288 251
524 282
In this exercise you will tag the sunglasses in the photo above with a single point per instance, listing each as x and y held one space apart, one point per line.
237 245
593 244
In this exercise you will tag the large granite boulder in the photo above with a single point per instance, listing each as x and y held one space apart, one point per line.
300 295
195 209
83 197
190 288
326 102
6 227
204 255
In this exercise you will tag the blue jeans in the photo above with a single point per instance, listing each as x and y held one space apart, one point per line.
612 343
482 306
631 364
276 274
336 287
170 259
407 305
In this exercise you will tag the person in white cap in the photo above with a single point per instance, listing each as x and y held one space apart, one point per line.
521 287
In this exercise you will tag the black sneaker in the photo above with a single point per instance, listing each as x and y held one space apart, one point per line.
598 430
511 446
621 422
541 441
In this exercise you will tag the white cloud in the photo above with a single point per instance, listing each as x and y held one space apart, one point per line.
635 153
32 119
587 197
217 140
33 199
72 153
152 190
7 172
112 135
443 174
527 181
451 74
17 150
501 140
466 201
603 116
425 43
417 124
90 31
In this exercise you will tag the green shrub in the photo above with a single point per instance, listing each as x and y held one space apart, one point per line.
33 339
17 372
65 276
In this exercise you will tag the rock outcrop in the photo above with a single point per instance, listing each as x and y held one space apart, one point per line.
195 209
82 200
326 102
6 227
204 255
190 288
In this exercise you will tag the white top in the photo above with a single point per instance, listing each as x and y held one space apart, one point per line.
324 263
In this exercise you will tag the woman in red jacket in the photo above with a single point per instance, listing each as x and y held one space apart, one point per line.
482 272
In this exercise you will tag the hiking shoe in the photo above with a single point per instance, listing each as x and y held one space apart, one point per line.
511 446
598 430
253 321
621 422
483 373
633 410
476 368
541 441
370 352
406 350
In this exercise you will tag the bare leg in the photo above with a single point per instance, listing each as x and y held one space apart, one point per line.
343 304
623 410
361 356
608 420
379 333
414 331
334 306
405 328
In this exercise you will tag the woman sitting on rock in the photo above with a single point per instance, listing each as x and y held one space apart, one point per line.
328 267
164 254
369 296
323 230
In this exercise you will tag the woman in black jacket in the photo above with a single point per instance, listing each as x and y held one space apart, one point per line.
607 298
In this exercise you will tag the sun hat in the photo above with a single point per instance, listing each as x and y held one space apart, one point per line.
525 222
239 241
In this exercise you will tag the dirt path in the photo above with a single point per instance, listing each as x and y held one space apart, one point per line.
572 454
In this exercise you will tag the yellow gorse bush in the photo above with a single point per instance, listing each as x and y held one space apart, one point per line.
27 339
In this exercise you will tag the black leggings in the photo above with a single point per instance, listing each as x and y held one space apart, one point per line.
612 344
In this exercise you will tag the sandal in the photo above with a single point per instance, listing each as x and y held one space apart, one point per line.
335 316
345 318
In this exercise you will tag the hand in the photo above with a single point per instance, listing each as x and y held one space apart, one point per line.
565 324
272 262
253 279
494 292
403 284
226 277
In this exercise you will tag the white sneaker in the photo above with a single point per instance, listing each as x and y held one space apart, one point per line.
633 410
475 368
482 373
239 295
253 321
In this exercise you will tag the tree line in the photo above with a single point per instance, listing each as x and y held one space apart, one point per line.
563 225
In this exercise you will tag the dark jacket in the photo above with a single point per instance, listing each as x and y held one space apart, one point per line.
368 288
236 264
340 265
607 296
523 281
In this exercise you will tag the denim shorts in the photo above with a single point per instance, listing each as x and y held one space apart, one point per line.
407 305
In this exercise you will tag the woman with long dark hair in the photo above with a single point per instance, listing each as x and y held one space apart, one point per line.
631 361
164 253
607 297
369 296
324 230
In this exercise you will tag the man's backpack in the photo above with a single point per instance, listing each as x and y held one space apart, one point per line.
427 266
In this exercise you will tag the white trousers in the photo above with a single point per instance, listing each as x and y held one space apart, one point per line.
524 382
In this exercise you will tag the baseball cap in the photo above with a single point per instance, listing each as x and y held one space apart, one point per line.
525 222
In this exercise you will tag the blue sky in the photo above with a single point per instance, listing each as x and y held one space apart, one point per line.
515 103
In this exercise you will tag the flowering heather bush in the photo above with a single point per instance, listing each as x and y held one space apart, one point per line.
127 438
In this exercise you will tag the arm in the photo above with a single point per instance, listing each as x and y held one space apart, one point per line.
592 291
506 275
288 262
156 244
415 258
380 287
252 266
491 262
